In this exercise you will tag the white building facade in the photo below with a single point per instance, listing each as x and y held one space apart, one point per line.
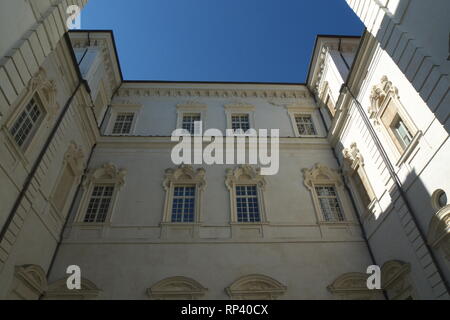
88 179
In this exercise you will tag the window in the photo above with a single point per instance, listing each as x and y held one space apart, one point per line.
101 193
240 121
99 203
390 115
330 199
246 186
240 116
189 121
183 205
247 204
27 122
402 132
355 171
123 123
305 125
329 203
184 189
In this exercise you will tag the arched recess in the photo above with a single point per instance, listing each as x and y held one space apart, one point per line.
353 286
58 291
29 283
256 287
176 288
439 231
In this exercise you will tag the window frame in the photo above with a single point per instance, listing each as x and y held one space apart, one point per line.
116 110
183 175
240 109
107 174
294 111
383 96
320 175
246 175
191 107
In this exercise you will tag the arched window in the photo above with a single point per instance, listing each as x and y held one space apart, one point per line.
176 288
255 287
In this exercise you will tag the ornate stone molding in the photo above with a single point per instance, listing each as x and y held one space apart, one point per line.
31 281
47 91
353 156
320 172
379 94
244 173
108 172
218 93
184 173
256 286
74 157
58 290
176 288
353 285
439 231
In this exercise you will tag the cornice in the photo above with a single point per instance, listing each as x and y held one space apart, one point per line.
213 92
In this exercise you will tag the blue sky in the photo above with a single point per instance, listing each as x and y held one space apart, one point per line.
218 40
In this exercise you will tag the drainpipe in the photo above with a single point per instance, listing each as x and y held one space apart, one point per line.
44 149
388 163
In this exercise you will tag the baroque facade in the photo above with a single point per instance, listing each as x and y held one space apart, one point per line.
87 178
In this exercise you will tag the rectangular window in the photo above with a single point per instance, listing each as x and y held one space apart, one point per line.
189 122
99 203
183 205
402 132
240 121
305 125
123 123
247 204
329 203
27 122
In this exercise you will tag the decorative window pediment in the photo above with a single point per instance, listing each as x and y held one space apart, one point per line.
242 174
439 231
184 174
107 173
353 286
353 156
256 287
47 91
379 94
176 288
30 282
321 174
58 291
394 279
